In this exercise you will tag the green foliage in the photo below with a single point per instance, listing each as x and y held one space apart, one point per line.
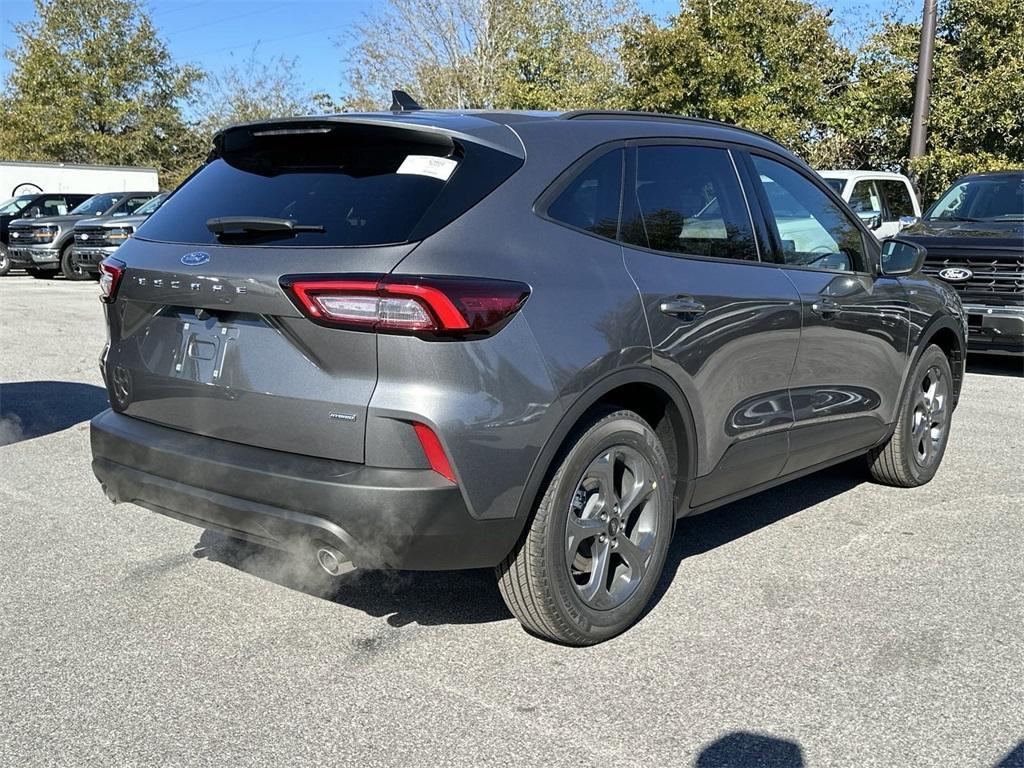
93 83
770 65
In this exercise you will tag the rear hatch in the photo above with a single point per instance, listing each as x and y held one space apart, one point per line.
204 338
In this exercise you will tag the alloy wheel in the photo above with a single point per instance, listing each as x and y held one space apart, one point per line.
612 527
930 417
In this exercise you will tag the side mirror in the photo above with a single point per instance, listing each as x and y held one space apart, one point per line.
871 219
901 257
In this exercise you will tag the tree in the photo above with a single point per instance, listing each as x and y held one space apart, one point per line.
93 83
255 89
503 54
769 65
976 119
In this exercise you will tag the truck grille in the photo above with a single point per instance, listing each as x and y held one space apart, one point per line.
93 236
995 273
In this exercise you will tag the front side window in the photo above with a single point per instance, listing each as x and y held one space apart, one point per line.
591 201
689 201
813 230
897 199
836 185
864 198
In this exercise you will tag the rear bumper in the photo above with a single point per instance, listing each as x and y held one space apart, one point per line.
995 329
389 518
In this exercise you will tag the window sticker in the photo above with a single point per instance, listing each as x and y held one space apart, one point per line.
428 165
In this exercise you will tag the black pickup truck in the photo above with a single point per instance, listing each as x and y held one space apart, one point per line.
975 240
33 205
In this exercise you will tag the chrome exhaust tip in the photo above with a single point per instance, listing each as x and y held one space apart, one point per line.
332 561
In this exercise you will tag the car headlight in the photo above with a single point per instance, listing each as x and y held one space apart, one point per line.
119 234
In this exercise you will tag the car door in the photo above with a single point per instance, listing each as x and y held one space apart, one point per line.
723 325
855 323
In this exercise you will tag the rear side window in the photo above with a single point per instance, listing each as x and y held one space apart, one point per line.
689 201
591 201
363 185
897 197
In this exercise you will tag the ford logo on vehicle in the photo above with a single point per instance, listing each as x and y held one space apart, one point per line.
195 258
956 274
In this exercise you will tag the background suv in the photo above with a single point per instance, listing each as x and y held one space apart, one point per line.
433 340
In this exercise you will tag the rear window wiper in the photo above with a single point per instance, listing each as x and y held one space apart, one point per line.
224 225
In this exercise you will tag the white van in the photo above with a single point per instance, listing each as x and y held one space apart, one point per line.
27 178
886 202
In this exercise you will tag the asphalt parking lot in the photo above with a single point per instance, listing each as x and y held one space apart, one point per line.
827 622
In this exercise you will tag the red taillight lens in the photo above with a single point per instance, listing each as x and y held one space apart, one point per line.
438 306
111 271
434 451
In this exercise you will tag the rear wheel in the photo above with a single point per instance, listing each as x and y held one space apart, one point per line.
591 557
5 260
915 450
70 267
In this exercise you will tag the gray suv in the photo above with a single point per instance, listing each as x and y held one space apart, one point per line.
526 341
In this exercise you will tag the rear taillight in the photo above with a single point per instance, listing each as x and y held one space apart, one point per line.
110 278
442 307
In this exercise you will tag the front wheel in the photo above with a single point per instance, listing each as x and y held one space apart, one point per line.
5 260
70 267
914 451
592 555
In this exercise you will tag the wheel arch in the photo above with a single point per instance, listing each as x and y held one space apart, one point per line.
646 391
944 332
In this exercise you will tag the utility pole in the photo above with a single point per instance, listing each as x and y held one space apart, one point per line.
922 91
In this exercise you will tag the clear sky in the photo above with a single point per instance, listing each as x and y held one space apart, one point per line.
215 33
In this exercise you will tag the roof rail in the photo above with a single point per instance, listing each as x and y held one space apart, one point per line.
636 115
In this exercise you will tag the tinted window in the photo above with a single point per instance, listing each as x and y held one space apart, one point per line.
992 198
364 185
591 201
54 207
689 201
897 198
813 230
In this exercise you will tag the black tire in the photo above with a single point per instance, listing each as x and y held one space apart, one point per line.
914 452
69 266
541 580
5 260
40 274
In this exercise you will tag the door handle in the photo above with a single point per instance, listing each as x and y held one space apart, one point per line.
683 307
826 307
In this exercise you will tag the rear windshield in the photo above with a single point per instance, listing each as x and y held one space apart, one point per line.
355 185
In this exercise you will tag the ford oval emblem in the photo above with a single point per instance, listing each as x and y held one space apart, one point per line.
195 258
956 274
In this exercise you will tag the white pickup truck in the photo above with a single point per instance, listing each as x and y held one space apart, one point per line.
886 202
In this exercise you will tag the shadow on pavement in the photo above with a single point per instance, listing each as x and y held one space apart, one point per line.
422 597
740 749
995 365
35 408
472 597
